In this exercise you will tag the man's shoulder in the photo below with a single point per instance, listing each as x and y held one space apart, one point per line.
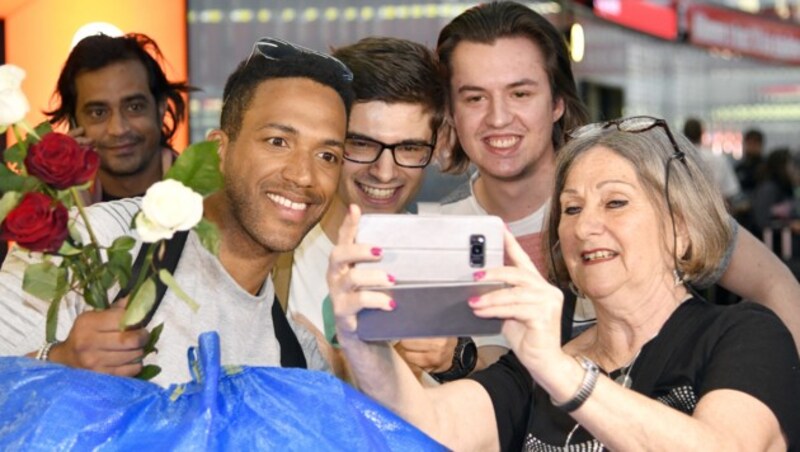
114 218
460 193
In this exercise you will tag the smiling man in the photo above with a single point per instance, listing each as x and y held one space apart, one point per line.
116 97
281 145
390 140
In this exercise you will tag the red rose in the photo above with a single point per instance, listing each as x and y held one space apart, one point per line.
59 161
38 223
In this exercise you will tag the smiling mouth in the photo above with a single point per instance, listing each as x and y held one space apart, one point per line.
287 203
378 193
502 142
597 255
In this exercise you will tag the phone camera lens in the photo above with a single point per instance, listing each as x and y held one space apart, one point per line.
477 250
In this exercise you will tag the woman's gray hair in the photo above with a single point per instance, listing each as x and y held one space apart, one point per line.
694 198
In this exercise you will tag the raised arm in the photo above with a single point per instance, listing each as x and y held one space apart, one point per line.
456 414
756 274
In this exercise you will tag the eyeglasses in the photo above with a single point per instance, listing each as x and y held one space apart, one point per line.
638 124
633 124
360 149
278 49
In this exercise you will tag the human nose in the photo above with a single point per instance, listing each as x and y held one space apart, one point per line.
298 168
499 114
587 224
383 169
117 123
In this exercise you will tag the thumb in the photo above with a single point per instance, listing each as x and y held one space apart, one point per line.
120 304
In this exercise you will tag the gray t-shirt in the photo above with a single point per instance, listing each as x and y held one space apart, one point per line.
243 321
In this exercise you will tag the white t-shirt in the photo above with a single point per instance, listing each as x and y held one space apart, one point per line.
243 321
308 287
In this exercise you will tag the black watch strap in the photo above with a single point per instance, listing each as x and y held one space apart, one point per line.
465 357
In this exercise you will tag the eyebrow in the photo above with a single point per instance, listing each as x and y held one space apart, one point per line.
103 103
360 136
293 131
599 185
516 84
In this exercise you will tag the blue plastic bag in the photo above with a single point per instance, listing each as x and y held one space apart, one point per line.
48 407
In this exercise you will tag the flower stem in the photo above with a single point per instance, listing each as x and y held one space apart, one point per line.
82 212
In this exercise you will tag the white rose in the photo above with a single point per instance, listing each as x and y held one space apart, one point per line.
167 207
13 103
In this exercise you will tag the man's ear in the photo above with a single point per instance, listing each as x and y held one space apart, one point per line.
162 110
446 140
221 138
558 109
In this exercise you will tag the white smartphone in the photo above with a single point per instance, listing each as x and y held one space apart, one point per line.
433 259
433 248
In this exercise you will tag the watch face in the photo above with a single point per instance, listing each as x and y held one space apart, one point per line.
469 356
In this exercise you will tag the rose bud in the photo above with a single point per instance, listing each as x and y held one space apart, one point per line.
59 161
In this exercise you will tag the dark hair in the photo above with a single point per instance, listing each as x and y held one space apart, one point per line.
776 169
693 130
489 22
98 51
242 83
395 70
753 134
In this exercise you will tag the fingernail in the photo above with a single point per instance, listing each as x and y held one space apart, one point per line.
392 304
478 275
376 251
391 278
473 300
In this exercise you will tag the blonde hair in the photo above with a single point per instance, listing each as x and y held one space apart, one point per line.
694 199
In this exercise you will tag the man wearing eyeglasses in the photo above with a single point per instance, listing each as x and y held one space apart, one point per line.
281 144
509 123
390 140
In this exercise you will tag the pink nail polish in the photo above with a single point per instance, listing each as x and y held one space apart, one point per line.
376 251
478 275
473 300
392 304
391 278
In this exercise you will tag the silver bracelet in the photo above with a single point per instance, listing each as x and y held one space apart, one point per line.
44 352
586 388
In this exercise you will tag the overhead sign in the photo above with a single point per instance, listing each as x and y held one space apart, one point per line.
744 33
641 15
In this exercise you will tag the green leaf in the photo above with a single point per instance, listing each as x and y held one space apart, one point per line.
119 264
95 293
209 236
152 339
140 305
68 250
170 282
45 280
52 320
198 168
9 180
124 243
148 372
8 202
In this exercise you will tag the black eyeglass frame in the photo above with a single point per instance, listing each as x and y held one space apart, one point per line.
646 123
391 147
278 49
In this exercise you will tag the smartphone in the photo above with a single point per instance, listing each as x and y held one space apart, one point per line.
433 259
433 248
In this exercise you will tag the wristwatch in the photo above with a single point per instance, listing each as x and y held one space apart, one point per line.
465 357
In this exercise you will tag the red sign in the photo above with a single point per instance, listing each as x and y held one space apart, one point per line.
640 15
743 33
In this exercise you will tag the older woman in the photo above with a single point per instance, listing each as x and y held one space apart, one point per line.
632 221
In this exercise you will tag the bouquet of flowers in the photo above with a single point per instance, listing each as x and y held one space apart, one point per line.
41 210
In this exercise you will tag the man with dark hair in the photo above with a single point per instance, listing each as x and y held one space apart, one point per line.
752 160
115 96
512 97
391 138
281 146
719 166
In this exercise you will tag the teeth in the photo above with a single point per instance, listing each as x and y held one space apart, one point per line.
502 142
285 202
378 193
597 255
